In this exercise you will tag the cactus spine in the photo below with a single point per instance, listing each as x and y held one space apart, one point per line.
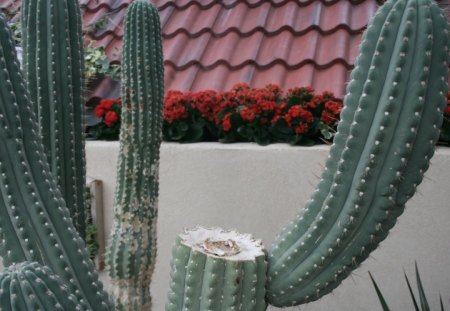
53 66
35 223
214 269
393 112
30 286
132 247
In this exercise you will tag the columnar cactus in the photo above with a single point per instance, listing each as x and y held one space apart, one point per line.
54 67
30 286
131 250
214 269
35 224
393 112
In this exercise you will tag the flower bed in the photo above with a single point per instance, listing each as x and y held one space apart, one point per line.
265 115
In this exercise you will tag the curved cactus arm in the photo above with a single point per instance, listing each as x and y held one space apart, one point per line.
35 222
390 142
131 250
53 69
30 286
213 269
354 90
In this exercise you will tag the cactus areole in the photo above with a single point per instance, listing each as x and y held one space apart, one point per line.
392 114
213 269
131 250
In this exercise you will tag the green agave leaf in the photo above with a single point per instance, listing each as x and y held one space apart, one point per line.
423 298
379 294
416 307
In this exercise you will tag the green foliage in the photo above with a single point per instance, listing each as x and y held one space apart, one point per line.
98 65
423 302
91 229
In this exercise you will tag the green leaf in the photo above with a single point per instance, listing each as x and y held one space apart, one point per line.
379 294
246 132
416 307
182 126
193 134
423 298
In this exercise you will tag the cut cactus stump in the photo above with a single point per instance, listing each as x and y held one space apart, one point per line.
213 269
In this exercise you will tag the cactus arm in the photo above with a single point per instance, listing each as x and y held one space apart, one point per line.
419 159
354 91
367 196
53 65
30 286
32 209
131 250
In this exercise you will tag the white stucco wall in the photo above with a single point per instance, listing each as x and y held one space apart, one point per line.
259 189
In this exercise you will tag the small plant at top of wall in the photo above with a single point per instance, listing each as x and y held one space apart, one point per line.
109 111
98 65
244 114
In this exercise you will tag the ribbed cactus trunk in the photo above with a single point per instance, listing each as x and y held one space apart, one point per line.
30 286
54 71
386 137
132 247
35 223
213 269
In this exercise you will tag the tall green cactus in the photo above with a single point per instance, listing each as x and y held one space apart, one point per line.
30 286
35 224
54 71
393 112
132 247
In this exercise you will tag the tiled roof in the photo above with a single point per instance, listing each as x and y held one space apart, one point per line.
212 44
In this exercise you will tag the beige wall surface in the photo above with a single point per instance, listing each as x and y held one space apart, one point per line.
259 189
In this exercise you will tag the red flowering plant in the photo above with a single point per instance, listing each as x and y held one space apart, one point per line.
108 110
190 117
308 118
245 113
445 130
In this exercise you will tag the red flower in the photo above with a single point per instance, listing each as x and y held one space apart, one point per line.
447 110
330 114
247 114
226 123
107 103
99 111
301 128
275 119
111 118
240 87
299 112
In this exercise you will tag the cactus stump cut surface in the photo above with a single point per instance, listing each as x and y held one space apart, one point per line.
213 269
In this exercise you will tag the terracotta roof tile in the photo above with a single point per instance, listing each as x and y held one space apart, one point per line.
212 44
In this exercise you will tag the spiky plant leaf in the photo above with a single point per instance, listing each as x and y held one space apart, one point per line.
416 307
379 294
423 299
